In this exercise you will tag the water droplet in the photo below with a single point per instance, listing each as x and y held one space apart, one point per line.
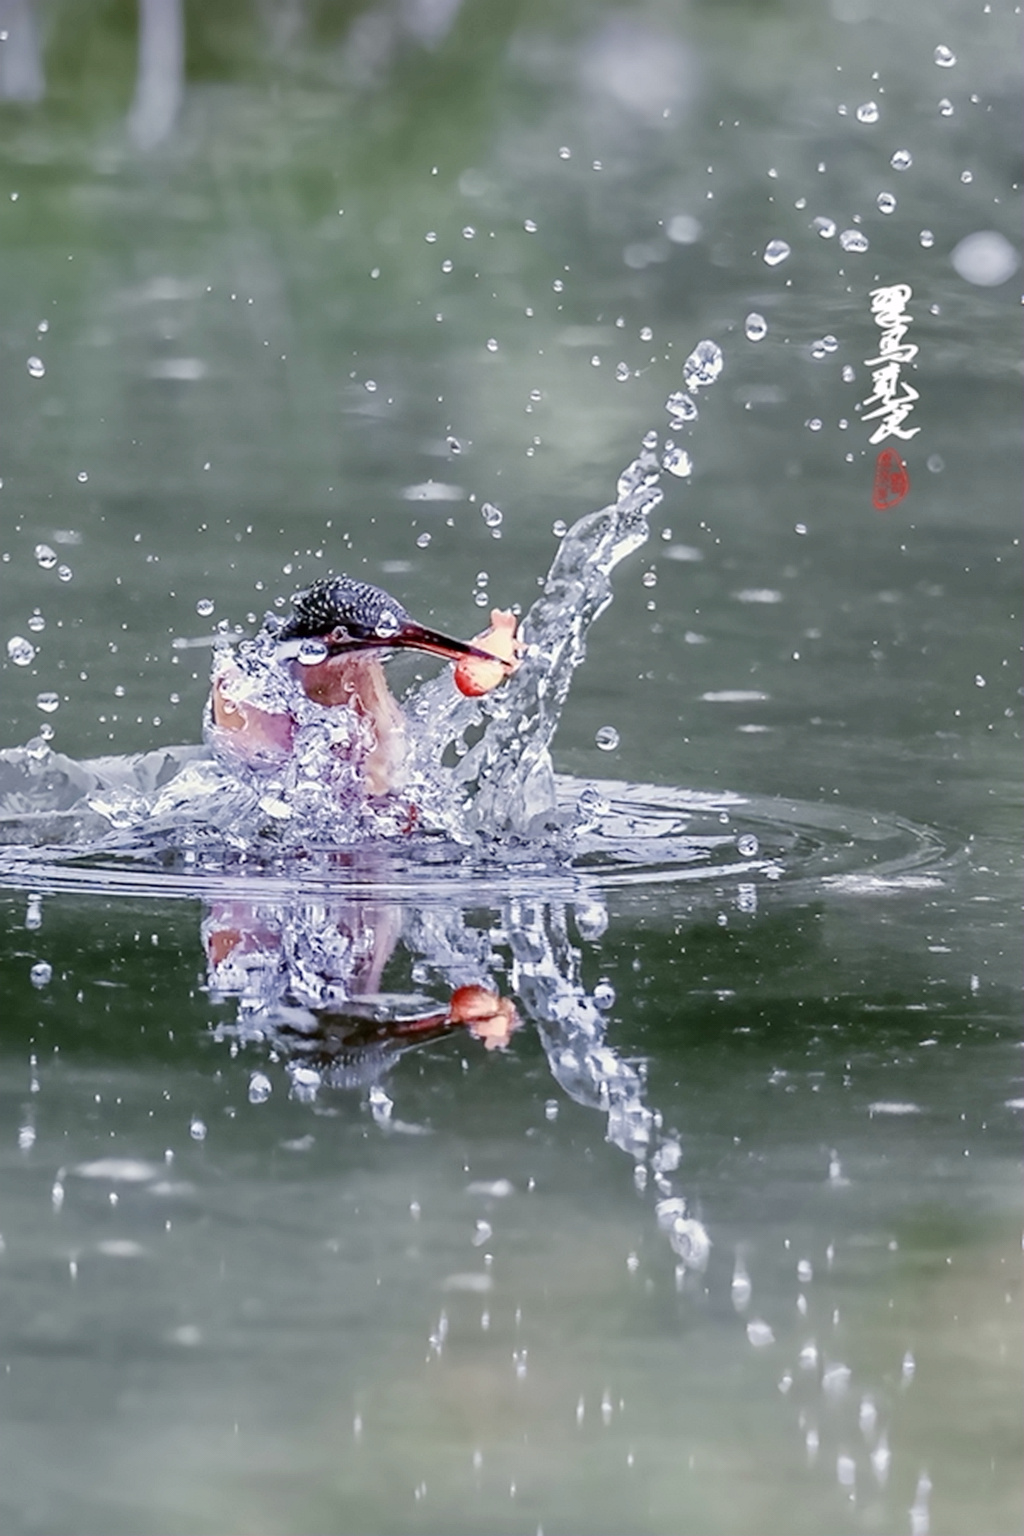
311 652
565 153
646 334
902 160
927 239
677 461
36 367
197 1130
530 226
775 252
21 651
986 258
453 445
370 386
681 407
945 58
468 232
45 556
826 227
64 573
205 606
604 995
704 364
650 578
849 373
755 327
559 528
41 974
885 202
47 702
260 1088
36 622
622 372
423 541
387 625
945 107
42 327
430 236
747 844
491 514
607 738
492 345
935 463
814 424
966 177
867 112
853 240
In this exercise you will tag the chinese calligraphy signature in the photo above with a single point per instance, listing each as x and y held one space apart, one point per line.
892 399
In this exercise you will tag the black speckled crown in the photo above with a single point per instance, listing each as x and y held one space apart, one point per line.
338 602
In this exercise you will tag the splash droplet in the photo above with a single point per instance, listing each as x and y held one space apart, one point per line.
755 327
260 1088
45 556
826 227
491 514
681 407
985 259
747 845
853 240
677 461
927 239
945 58
607 738
21 651
885 202
205 607
775 252
41 974
902 160
868 112
311 652
36 367
47 702
703 365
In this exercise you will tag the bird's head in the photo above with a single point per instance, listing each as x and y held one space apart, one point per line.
347 616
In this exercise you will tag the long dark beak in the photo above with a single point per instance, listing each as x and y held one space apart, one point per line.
414 637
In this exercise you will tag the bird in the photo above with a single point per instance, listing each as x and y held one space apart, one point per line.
333 644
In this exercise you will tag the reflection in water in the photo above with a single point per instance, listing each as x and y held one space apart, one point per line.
308 976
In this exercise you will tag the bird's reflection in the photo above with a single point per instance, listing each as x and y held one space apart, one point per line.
319 983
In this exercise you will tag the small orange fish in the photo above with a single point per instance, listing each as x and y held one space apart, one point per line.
474 676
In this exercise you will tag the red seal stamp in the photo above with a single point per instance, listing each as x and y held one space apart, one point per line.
891 481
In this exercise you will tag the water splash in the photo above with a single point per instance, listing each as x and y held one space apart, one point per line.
495 751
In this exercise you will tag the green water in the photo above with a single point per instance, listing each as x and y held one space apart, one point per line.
237 1326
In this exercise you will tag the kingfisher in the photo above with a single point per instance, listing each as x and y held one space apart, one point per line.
333 644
